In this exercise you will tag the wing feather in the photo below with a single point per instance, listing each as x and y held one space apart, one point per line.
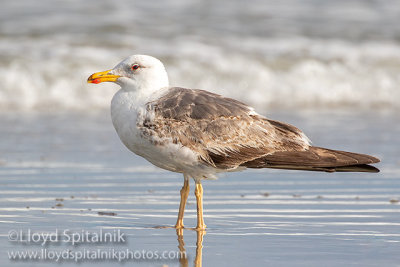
317 159
224 132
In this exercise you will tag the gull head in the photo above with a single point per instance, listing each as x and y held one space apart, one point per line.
135 73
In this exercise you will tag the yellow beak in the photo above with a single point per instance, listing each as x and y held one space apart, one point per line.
103 76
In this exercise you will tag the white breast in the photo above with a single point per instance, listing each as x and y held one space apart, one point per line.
126 112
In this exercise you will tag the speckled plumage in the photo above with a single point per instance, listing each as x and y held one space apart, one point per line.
224 132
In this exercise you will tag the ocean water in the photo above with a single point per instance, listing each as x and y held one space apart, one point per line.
58 171
331 68
271 54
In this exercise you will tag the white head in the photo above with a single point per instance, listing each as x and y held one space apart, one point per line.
135 73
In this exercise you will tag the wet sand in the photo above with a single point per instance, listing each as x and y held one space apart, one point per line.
66 171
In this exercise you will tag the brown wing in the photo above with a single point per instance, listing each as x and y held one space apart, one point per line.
316 159
224 132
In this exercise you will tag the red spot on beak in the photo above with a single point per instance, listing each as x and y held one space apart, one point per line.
96 81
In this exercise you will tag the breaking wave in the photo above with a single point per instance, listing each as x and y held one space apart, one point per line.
275 73
272 56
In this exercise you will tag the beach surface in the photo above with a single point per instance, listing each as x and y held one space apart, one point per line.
69 173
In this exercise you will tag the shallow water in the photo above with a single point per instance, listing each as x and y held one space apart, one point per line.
59 171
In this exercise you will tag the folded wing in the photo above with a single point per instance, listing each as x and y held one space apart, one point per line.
316 159
228 134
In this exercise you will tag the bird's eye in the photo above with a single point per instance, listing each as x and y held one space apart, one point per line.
135 66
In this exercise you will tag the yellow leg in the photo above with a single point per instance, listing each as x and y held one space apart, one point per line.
184 196
199 197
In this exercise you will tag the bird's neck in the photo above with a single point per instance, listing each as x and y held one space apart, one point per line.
144 89
139 96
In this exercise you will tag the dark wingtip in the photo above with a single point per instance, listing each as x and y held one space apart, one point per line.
358 168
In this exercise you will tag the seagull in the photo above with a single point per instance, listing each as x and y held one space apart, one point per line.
201 134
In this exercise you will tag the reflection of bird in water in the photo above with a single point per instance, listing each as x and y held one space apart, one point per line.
199 248
201 134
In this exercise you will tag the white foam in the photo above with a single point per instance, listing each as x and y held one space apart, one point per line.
297 72
267 73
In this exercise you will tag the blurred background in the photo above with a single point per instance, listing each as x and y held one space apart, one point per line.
271 54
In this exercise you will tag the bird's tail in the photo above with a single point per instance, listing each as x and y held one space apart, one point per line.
316 159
